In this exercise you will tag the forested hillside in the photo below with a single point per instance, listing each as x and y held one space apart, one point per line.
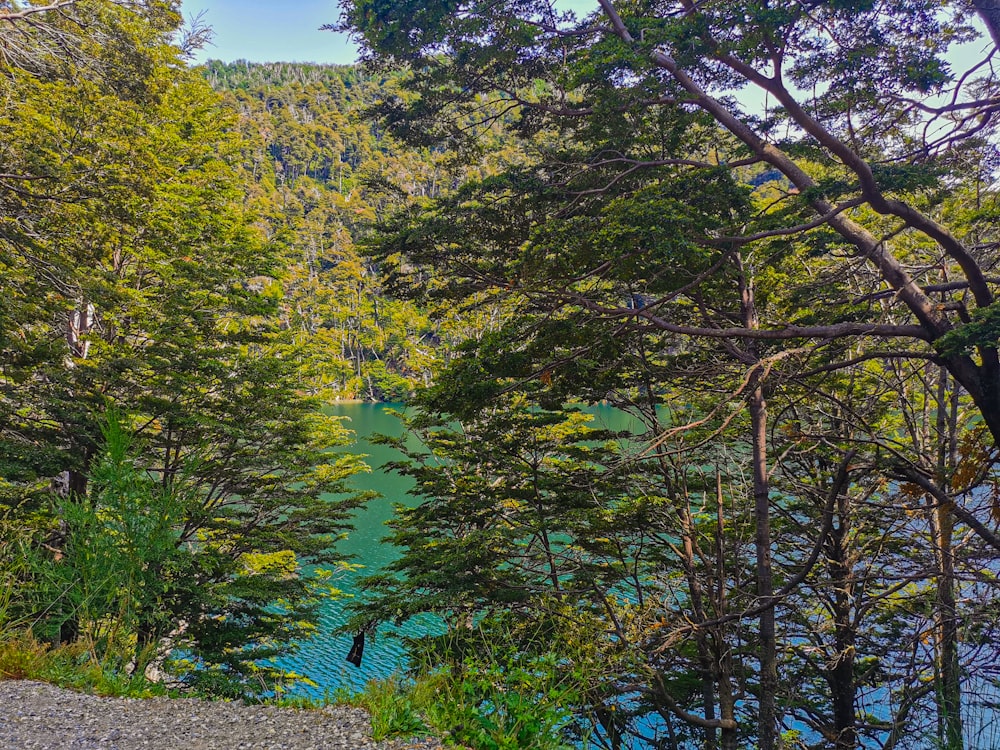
323 173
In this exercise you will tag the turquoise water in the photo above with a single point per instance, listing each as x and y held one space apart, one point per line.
323 658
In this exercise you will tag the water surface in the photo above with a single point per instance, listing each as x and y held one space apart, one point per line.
323 658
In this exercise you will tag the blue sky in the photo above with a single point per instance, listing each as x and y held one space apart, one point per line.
272 30
285 30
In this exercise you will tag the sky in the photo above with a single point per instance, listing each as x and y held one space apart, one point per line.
272 31
288 31
285 30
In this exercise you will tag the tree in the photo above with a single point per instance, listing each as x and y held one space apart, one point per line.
136 275
676 65
798 241
323 172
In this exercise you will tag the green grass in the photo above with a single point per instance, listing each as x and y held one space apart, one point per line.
391 707
23 657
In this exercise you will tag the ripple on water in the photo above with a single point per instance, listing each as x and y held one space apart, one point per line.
323 658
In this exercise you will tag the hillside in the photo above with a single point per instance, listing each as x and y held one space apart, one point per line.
322 171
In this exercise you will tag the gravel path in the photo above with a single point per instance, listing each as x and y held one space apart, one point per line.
34 715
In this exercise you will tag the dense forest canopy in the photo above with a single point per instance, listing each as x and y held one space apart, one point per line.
181 294
766 232
163 475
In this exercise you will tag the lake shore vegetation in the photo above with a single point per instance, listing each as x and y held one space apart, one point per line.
758 229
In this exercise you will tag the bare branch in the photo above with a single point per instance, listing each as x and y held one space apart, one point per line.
30 11
835 330
837 487
951 286
818 221
7 176
832 367
952 504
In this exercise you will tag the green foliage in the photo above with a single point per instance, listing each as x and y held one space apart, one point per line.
791 291
314 165
321 173
393 709
74 666
499 686
506 529
21 656
535 540
120 550
498 706
982 330
137 275
492 687
140 562
195 263
13 567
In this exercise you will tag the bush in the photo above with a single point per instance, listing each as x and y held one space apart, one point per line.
496 706
24 657
392 708
495 686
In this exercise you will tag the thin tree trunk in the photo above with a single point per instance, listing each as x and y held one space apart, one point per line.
950 685
768 717
708 665
946 614
768 738
840 676
723 658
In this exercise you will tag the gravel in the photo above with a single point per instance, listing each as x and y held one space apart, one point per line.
35 715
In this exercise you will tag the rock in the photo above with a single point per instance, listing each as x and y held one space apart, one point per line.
37 715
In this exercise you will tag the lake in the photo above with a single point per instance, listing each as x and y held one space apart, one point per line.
323 658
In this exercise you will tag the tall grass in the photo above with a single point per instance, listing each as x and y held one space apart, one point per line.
24 657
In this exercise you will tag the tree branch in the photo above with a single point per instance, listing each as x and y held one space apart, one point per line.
929 356
818 221
952 504
21 15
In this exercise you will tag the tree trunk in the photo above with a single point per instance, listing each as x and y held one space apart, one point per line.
840 675
949 677
949 688
729 738
768 738
989 11
78 326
